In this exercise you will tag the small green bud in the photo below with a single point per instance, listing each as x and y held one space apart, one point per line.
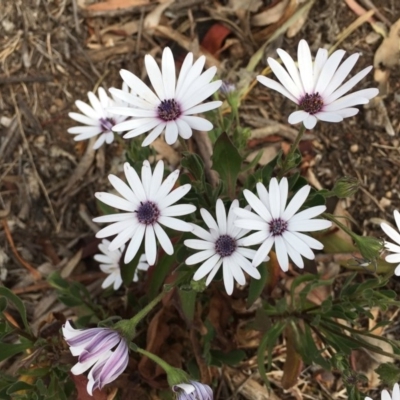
198 286
346 186
370 247
175 376
126 328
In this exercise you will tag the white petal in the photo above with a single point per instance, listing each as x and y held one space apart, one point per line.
201 233
178 210
329 70
237 272
83 119
199 256
255 238
347 86
310 225
329 116
352 99
294 255
274 198
297 201
134 244
123 189
186 67
115 201
298 244
184 130
116 217
341 74
268 82
153 135
242 213
88 130
319 62
305 66
197 123
221 217
134 182
191 74
393 258
150 245
199 244
245 265
297 116
309 241
174 196
100 141
396 215
122 237
263 194
138 87
163 239
206 267
263 251
310 122
308 213
281 253
132 99
87 110
175 224
168 73
391 232
213 272
228 278
211 105
146 175
208 219
171 132
154 74
146 125
257 205
292 69
156 179
285 79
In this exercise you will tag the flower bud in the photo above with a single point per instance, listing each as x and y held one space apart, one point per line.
346 186
369 247
175 376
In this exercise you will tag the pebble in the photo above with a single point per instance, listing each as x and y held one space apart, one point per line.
354 148
384 202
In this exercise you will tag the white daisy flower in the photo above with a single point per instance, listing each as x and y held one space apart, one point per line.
222 245
316 87
173 103
393 247
110 264
279 225
148 205
96 119
385 395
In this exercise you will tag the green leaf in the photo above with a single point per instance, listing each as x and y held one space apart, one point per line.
8 349
257 285
227 162
232 358
158 278
194 164
389 373
17 386
267 343
19 305
188 303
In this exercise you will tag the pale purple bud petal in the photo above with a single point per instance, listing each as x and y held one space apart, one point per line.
193 391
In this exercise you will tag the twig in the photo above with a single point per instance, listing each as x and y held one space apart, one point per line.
37 176
9 80
35 273
76 20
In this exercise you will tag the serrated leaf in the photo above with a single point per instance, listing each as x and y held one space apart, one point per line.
389 373
227 162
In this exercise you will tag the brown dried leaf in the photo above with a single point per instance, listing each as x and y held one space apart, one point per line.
293 363
388 53
112 5
80 384
271 15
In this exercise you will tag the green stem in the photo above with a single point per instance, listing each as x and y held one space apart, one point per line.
142 313
164 365
292 150
128 327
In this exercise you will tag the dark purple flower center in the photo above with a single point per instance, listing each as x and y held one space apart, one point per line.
148 213
107 123
169 110
225 245
277 227
311 103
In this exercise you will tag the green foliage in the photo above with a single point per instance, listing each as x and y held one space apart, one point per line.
18 304
227 162
74 294
389 373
